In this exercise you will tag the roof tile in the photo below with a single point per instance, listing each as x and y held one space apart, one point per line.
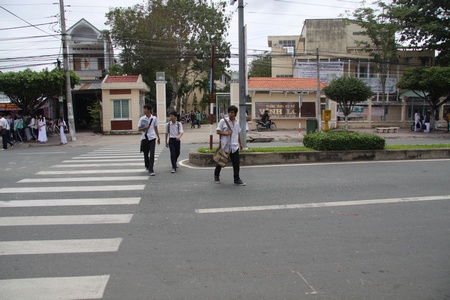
120 79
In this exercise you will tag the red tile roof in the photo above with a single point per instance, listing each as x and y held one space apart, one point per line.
270 83
120 79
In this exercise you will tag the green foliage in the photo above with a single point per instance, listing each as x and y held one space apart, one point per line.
432 80
424 23
173 36
261 67
95 111
343 140
347 91
262 149
29 90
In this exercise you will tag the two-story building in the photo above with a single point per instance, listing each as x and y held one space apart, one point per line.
90 56
333 46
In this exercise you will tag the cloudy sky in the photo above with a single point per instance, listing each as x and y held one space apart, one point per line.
38 46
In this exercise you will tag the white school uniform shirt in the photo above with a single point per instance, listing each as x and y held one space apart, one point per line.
143 121
173 132
4 123
229 141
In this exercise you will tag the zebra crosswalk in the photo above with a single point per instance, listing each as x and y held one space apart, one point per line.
72 177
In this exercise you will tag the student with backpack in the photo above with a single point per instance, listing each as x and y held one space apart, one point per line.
174 132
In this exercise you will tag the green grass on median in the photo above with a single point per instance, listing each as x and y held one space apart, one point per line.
302 148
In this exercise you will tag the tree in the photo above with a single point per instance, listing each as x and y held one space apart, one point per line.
261 67
173 36
382 46
347 91
432 80
424 23
29 90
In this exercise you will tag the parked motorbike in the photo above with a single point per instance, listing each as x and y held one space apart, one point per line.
260 126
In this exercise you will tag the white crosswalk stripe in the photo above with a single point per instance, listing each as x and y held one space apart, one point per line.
53 288
99 162
59 246
65 220
70 202
79 179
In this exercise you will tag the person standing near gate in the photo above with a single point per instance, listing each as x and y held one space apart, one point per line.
148 125
174 132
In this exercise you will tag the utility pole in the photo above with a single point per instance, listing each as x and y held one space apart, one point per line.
242 79
66 69
318 113
211 97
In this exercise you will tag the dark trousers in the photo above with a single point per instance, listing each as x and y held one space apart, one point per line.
6 139
174 147
234 157
19 134
148 146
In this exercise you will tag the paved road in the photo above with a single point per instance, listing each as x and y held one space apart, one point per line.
87 220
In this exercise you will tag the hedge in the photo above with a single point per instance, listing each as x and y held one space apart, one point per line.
343 140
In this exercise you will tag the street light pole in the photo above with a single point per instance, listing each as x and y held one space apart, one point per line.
211 97
242 74
66 69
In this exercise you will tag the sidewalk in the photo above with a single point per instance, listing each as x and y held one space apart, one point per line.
202 136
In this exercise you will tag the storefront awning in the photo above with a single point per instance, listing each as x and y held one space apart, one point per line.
413 94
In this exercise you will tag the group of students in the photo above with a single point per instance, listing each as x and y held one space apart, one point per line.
228 129
421 122
24 129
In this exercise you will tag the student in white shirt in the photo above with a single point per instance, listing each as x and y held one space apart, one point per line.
228 129
174 132
148 125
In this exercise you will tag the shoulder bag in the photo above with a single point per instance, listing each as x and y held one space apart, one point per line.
220 156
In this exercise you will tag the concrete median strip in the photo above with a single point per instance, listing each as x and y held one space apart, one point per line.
271 158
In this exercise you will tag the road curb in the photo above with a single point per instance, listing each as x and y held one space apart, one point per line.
270 158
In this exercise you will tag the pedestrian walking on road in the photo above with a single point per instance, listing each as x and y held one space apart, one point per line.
174 132
228 129
6 134
148 125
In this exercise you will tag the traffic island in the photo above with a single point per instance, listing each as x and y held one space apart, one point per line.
274 158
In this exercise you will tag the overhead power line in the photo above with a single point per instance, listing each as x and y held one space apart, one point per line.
20 27
56 36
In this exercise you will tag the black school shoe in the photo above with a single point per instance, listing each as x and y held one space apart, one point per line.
239 182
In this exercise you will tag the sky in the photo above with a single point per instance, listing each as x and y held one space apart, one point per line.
38 46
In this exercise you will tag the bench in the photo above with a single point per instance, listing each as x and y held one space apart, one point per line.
387 129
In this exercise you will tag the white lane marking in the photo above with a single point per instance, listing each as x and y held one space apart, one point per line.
106 156
103 171
44 153
321 204
103 160
58 189
313 291
185 163
99 165
59 246
70 202
65 220
80 179
52 288
112 171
